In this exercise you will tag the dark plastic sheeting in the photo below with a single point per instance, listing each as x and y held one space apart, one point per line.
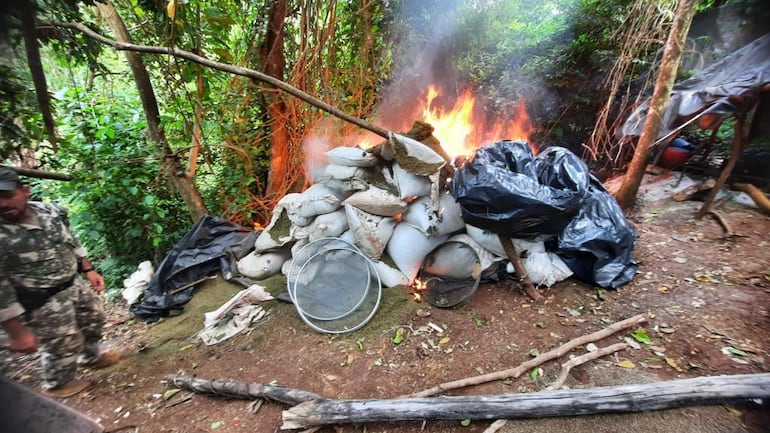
207 248
506 189
741 73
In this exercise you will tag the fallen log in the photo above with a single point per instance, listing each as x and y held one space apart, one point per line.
613 399
536 361
241 390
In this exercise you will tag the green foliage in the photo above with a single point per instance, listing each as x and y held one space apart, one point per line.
121 207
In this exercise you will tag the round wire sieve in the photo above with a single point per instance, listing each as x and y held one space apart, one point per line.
334 286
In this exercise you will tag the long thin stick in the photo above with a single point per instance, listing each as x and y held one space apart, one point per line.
534 362
582 359
521 271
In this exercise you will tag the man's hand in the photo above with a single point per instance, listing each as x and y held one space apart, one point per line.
19 338
25 342
96 280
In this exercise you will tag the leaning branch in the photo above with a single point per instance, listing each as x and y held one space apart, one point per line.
236 70
40 174
534 362
613 399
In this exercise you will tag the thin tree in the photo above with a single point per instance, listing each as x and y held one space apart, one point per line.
170 161
273 64
27 11
669 66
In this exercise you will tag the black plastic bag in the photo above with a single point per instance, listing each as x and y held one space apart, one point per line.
204 250
506 189
598 244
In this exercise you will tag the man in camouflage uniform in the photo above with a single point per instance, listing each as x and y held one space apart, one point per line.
45 303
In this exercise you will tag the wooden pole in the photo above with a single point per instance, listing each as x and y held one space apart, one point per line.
735 153
521 271
614 399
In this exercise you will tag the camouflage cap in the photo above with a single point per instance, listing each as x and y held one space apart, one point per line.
9 179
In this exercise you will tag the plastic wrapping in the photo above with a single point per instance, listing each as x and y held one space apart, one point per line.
506 189
207 248
598 244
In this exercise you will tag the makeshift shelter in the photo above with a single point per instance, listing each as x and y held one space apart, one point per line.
738 85
732 85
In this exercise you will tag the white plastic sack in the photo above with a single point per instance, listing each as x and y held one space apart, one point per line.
377 201
316 200
262 265
351 156
544 269
408 247
277 233
444 220
410 184
413 156
323 226
371 232
345 178
135 284
390 276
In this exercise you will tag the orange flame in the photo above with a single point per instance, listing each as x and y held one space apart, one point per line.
419 286
463 129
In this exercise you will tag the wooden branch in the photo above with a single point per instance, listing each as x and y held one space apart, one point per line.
570 402
495 426
236 70
723 222
534 362
756 194
736 151
582 359
521 271
242 390
40 174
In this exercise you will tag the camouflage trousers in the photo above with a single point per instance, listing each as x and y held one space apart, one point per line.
68 329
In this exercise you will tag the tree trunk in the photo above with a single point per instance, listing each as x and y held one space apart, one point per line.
27 11
614 399
171 163
657 105
273 64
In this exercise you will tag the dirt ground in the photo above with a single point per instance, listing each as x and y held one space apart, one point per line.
707 296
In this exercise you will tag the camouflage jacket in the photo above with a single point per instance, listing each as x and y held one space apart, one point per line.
36 259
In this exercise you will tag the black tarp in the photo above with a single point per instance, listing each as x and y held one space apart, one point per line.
210 246
505 188
712 90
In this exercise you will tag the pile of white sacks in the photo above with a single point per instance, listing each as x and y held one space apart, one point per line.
388 203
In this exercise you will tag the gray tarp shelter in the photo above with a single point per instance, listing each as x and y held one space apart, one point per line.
732 84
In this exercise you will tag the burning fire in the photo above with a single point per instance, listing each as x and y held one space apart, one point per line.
418 287
463 129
